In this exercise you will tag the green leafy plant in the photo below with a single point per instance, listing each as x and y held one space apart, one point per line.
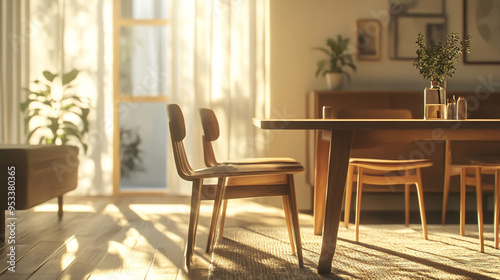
438 62
130 154
338 59
53 115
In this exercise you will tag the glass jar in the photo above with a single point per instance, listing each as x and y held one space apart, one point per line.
434 101
461 108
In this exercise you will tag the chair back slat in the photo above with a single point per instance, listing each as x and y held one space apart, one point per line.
177 135
211 133
208 152
210 124
178 127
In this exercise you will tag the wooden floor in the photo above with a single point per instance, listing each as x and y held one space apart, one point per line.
133 237
126 237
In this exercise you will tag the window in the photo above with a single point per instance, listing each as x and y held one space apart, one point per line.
141 47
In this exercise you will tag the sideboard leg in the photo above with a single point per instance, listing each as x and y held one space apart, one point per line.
60 206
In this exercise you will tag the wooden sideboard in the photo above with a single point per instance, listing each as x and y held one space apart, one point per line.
480 106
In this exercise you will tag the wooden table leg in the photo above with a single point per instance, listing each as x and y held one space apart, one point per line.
320 178
340 149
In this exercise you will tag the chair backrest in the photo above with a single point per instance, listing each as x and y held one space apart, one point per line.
177 135
374 114
376 144
210 133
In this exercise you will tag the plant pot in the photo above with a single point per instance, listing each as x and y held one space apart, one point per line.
334 80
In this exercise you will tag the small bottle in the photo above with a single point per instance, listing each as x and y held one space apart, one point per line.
461 108
451 106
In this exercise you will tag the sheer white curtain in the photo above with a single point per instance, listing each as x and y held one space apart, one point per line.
218 61
13 68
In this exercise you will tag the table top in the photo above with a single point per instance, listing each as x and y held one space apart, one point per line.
376 124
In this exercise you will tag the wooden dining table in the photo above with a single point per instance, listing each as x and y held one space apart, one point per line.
348 133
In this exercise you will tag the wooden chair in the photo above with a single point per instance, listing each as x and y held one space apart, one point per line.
382 171
221 191
475 179
387 172
211 133
472 160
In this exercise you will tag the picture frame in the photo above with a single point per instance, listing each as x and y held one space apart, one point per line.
368 39
480 20
409 7
405 28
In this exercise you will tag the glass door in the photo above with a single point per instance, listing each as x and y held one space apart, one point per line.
140 85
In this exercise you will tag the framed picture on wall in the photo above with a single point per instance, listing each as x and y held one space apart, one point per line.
481 21
435 7
368 39
405 29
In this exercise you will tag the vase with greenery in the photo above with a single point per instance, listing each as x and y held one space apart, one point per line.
337 62
435 63
55 114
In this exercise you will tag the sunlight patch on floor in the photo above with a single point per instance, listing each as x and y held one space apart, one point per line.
70 255
166 208
67 207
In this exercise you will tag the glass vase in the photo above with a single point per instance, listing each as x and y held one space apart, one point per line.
434 101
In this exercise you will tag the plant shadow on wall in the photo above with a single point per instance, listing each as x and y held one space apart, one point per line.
55 114
130 154
333 68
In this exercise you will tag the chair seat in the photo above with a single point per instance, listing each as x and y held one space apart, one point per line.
390 165
230 170
487 163
271 160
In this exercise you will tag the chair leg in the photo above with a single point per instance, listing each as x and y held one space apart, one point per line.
420 193
219 196
479 198
497 206
407 202
286 208
447 177
446 192
294 211
462 200
358 200
60 207
223 218
193 220
348 195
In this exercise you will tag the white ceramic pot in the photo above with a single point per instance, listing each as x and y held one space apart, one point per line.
334 80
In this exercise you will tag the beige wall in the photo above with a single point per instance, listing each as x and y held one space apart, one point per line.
296 26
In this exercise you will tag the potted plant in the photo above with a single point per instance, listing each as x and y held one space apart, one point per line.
435 63
55 116
338 59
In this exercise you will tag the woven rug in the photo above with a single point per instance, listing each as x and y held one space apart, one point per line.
384 252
